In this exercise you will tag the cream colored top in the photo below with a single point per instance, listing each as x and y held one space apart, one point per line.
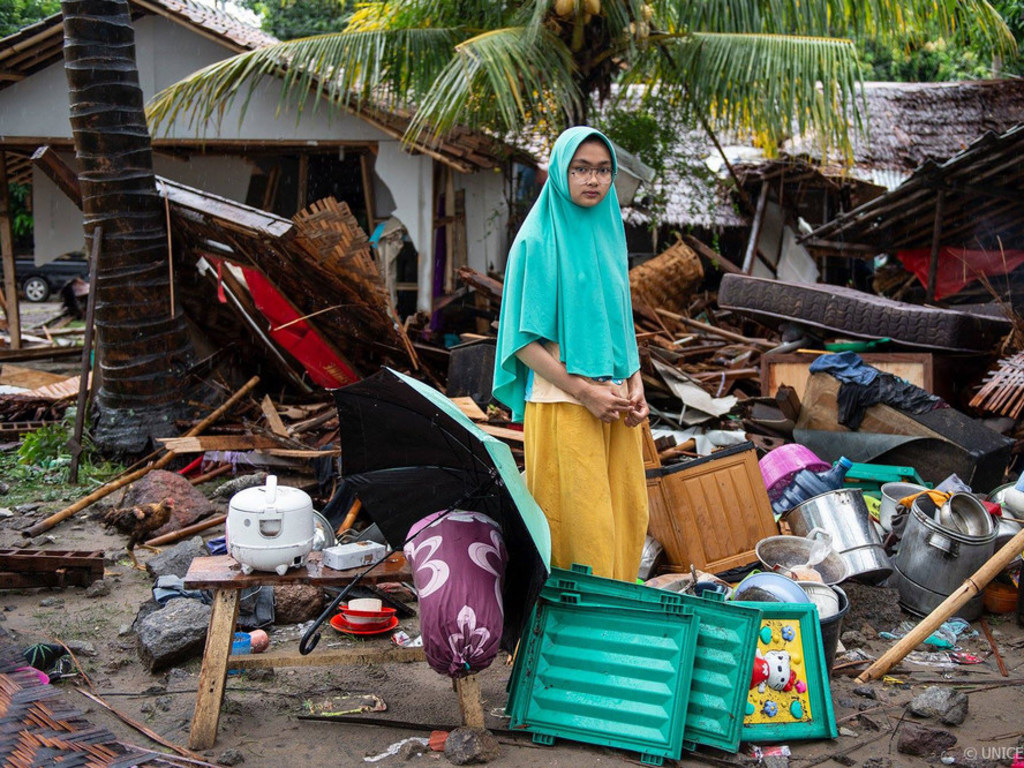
540 390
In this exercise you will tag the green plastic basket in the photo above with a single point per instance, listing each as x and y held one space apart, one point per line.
726 643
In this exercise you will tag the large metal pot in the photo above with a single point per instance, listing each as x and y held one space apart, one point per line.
844 515
939 557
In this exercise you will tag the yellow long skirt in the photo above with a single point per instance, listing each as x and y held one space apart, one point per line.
588 478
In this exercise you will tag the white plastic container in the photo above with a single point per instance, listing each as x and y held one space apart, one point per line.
354 555
270 528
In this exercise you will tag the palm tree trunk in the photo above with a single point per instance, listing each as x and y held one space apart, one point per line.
143 348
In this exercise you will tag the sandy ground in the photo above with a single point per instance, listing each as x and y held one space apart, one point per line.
260 714
260 722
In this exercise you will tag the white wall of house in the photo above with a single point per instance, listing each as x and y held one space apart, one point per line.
486 214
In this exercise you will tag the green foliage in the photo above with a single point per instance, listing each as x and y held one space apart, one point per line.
15 14
291 19
21 216
43 459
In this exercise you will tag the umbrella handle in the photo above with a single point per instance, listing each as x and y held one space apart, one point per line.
309 639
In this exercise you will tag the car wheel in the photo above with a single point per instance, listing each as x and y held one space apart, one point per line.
36 289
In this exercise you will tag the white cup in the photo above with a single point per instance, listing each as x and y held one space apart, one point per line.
368 604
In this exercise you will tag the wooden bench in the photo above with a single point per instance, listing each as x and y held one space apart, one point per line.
224 576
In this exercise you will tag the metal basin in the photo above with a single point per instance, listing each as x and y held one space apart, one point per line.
844 515
782 553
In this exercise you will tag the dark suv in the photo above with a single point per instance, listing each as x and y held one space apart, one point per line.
37 283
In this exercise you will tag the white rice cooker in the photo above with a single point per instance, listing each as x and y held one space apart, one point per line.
270 528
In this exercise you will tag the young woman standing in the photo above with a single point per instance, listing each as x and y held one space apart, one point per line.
567 363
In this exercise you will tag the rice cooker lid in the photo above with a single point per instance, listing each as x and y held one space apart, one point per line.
271 498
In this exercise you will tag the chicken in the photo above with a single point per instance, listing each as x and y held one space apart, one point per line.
139 522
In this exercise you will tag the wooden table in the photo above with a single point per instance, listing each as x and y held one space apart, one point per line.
224 575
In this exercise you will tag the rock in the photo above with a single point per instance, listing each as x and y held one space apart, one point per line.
189 504
923 742
467 746
873 605
940 703
98 588
4 488
846 703
51 602
411 749
173 633
176 560
869 722
844 731
867 691
231 757
853 639
877 762
81 647
296 603
775 761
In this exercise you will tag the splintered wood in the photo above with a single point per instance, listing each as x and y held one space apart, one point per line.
1003 391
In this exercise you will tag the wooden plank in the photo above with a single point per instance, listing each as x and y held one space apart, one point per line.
469 407
793 369
38 353
384 653
28 378
224 572
213 675
10 292
273 417
514 435
298 453
47 160
201 443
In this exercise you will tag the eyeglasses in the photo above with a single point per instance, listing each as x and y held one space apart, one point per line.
585 172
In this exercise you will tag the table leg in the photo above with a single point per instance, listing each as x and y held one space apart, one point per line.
469 701
213 674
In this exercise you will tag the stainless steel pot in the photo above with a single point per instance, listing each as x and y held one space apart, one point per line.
965 513
891 495
921 601
939 557
844 515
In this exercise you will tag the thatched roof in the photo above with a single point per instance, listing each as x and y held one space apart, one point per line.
912 123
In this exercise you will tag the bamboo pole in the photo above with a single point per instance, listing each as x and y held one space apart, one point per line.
971 587
107 489
187 531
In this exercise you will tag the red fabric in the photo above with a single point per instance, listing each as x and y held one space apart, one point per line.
958 266
324 366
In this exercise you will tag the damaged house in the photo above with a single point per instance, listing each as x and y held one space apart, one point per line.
443 205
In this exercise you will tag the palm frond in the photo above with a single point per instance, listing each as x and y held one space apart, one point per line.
502 79
388 67
769 85
881 19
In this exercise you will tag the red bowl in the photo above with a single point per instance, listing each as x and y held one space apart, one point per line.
367 619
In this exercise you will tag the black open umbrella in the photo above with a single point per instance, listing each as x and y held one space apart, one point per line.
409 452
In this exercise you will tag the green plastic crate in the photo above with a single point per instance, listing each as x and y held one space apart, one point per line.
795 713
615 676
726 643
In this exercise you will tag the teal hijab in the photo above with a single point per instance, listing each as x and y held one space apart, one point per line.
567 280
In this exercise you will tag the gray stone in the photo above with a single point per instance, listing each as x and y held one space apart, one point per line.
81 647
51 602
775 761
231 757
99 588
867 691
468 746
940 703
844 731
877 762
923 742
174 633
176 560
296 603
853 639
411 749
